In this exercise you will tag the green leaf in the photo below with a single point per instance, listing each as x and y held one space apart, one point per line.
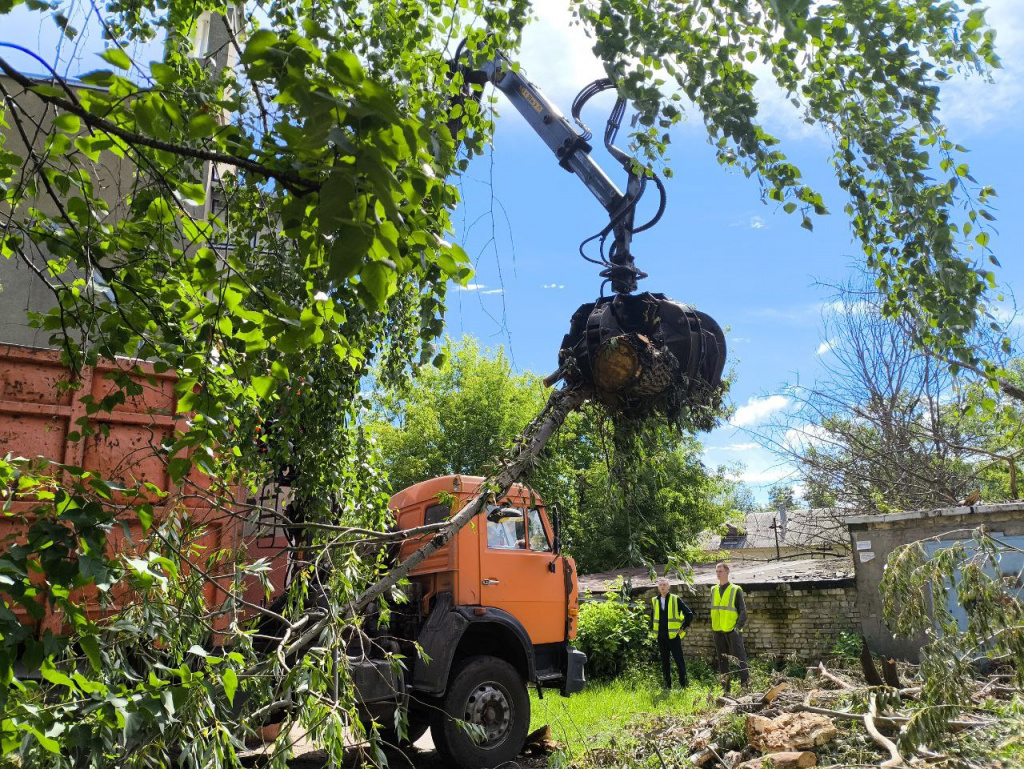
85 145
201 125
91 647
348 252
145 513
260 42
230 684
68 123
50 744
117 57
379 281
163 74
262 385
54 676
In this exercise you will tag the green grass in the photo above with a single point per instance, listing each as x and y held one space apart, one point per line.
606 709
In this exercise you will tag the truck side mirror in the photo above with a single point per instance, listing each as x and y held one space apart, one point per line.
556 525
499 514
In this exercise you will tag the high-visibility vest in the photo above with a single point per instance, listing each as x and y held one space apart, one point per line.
723 608
675 620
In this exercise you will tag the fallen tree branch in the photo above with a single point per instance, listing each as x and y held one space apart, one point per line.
895 759
889 721
526 451
824 673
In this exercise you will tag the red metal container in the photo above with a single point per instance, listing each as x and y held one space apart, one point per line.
36 418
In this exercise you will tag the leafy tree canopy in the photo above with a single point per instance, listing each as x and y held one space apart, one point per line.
269 219
457 418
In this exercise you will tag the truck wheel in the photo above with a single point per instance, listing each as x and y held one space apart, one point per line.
490 694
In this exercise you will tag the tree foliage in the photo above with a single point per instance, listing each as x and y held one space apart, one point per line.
887 427
271 229
866 72
920 588
457 418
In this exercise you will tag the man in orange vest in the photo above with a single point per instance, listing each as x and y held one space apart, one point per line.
728 617
670 619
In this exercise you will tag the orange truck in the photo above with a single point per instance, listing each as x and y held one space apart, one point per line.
494 611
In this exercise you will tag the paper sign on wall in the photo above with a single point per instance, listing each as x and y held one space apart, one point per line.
864 544
865 557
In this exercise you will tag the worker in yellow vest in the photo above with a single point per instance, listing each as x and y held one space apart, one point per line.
728 618
669 620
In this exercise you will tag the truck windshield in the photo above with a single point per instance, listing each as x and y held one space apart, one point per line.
538 537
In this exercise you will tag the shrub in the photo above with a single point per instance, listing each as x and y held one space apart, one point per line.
847 645
613 633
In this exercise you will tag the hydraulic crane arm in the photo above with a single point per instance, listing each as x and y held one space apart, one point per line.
572 149
642 352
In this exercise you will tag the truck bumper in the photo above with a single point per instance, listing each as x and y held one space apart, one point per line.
574 677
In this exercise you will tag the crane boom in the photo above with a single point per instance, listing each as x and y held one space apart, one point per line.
572 149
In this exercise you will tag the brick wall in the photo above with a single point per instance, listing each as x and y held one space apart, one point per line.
800 621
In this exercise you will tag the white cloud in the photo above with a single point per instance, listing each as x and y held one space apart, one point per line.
772 475
736 447
739 339
758 409
1006 315
472 287
556 54
557 286
798 439
972 104
839 307
493 291
825 347
757 223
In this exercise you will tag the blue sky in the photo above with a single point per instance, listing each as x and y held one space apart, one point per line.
718 247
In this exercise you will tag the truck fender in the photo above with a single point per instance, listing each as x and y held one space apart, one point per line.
444 630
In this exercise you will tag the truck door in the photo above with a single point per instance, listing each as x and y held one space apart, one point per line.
520 573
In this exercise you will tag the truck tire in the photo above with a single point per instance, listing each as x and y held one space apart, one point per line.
490 693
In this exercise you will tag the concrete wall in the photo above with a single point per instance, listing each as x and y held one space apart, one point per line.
24 276
785 621
873 539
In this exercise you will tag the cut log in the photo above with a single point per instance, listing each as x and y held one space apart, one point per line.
704 757
790 731
791 759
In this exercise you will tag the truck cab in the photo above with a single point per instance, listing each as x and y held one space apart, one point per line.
494 611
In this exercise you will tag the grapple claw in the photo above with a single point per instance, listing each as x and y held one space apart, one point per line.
644 353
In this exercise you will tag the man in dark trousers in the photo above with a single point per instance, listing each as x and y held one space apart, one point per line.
670 619
728 617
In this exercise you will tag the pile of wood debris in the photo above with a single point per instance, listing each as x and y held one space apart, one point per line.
828 719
